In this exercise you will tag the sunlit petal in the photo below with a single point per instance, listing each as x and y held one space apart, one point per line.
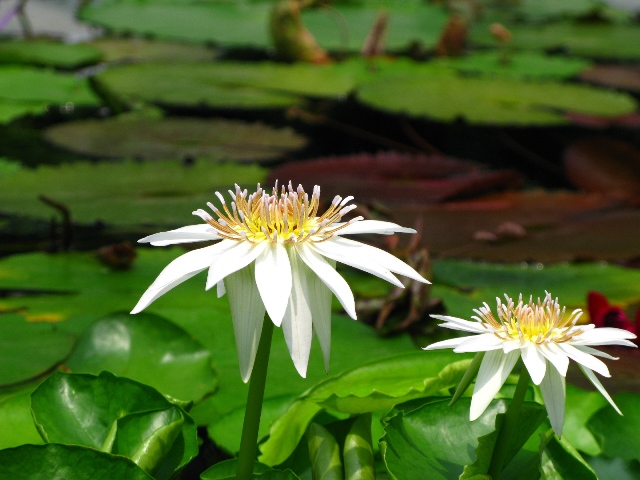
596 383
241 255
534 361
450 343
556 356
247 312
494 370
320 303
273 276
332 279
480 343
460 324
595 352
374 226
188 234
553 390
297 322
585 359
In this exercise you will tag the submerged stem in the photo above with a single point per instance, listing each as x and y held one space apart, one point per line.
249 441
509 426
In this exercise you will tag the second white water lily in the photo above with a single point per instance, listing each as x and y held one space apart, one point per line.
277 254
544 337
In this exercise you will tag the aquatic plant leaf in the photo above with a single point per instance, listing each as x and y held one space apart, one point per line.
114 49
226 470
618 435
48 53
149 349
17 422
124 193
66 462
447 97
29 349
217 139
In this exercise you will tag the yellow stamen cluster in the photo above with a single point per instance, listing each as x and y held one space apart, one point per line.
286 217
538 323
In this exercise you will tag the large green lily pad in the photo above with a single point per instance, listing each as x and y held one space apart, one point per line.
48 53
116 49
27 90
17 422
445 96
124 193
142 138
228 84
596 39
149 349
245 23
29 349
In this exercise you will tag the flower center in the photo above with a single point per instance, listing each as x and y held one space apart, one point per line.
544 322
285 217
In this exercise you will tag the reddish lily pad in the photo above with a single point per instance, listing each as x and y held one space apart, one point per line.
625 77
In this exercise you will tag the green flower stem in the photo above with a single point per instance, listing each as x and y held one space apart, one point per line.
249 441
509 426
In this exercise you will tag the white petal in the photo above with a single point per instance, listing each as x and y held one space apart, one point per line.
451 343
247 313
334 252
554 394
190 233
480 343
179 270
596 383
379 256
235 258
320 303
459 324
511 345
220 290
297 323
332 279
273 276
494 370
556 356
595 352
604 336
585 359
535 363
374 226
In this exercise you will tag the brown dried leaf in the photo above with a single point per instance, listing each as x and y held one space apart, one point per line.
625 77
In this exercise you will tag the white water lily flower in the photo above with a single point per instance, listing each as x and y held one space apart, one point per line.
276 254
545 338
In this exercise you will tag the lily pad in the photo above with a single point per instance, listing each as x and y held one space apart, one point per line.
245 24
588 39
624 77
66 462
28 350
48 53
228 84
149 349
217 139
124 193
140 49
530 65
618 435
26 90
17 422
446 97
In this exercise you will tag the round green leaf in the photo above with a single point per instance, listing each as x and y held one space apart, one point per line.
116 49
66 462
619 436
123 193
445 96
217 139
17 422
149 349
48 53
29 349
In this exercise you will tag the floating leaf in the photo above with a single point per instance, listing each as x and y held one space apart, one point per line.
604 165
124 193
149 349
560 460
531 65
48 53
217 139
29 349
17 422
66 462
445 96
141 49
624 77
581 405
245 24
618 435
395 177
109 413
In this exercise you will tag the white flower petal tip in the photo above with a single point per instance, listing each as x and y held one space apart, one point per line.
262 232
546 338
